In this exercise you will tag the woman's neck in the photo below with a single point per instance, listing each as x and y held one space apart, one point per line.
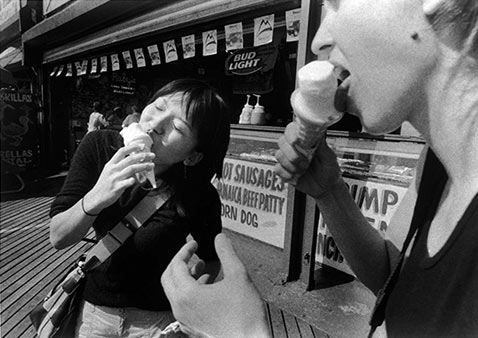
452 124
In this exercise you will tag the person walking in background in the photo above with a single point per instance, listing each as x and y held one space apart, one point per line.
189 124
114 119
133 116
408 60
96 120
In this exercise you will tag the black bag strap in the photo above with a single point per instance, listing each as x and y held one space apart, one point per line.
115 238
433 180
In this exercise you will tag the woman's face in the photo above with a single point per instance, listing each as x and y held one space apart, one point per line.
174 138
389 65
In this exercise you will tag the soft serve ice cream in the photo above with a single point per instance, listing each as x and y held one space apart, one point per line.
134 134
313 102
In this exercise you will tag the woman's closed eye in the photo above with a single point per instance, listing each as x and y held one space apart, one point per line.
176 126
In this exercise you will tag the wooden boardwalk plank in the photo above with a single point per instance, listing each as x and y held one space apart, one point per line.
17 220
291 325
12 216
305 329
31 293
277 322
34 239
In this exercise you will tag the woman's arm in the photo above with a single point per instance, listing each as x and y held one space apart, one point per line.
363 247
71 225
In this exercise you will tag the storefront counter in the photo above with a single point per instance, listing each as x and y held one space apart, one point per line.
282 238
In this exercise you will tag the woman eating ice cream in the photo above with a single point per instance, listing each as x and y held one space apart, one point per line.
187 122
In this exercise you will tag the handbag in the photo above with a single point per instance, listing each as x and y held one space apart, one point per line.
55 316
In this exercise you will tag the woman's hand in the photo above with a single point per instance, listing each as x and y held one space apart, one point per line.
313 176
230 308
117 175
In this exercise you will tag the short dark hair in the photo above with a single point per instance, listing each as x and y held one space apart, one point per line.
97 106
209 115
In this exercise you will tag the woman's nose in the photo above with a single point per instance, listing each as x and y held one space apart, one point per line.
322 43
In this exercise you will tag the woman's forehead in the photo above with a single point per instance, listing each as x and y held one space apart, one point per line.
175 98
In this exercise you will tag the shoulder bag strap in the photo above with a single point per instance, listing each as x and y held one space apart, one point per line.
105 247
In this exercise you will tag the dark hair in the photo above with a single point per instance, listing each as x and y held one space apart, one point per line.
97 106
209 115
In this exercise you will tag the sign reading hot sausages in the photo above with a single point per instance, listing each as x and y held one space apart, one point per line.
253 201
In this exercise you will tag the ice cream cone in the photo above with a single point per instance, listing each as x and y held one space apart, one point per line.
313 102
134 134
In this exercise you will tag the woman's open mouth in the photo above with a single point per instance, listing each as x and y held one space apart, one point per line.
341 101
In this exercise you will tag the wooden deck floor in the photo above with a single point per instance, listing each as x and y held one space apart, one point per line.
29 266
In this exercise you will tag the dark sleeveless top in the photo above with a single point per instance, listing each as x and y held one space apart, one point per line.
131 276
438 296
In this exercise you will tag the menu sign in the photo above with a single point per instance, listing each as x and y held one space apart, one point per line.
19 140
253 200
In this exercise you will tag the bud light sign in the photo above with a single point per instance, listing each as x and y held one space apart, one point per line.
251 60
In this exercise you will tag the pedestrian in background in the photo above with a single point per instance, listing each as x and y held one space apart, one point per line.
408 60
96 120
115 119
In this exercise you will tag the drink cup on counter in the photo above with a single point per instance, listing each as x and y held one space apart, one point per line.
134 134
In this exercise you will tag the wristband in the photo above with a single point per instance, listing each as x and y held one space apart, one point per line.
83 208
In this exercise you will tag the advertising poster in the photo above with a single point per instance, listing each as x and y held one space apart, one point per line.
252 69
94 66
170 51
53 72
104 64
189 46
127 59
253 200
292 22
84 67
154 55
115 63
234 36
378 203
377 181
263 30
19 138
140 61
60 70
69 70
78 68
209 42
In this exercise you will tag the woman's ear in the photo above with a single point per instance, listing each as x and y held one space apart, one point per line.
430 7
193 159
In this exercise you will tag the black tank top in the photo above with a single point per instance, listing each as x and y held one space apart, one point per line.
438 296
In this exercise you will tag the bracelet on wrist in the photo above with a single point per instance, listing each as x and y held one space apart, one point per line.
84 210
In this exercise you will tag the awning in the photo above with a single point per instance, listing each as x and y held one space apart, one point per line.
11 57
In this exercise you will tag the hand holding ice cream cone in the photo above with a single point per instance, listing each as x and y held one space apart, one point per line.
134 134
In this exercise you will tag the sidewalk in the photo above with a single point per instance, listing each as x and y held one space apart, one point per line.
29 266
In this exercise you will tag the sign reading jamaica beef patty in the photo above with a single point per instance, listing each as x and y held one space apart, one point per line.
252 69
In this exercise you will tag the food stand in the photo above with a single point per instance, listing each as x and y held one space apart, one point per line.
245 49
